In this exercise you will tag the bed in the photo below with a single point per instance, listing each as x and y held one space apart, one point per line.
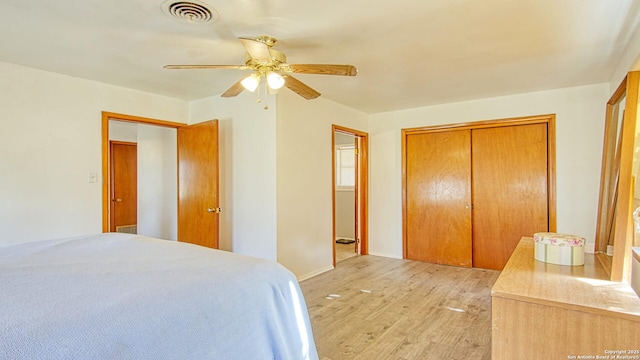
123 296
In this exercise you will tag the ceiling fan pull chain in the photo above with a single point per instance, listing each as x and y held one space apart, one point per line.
259 100
266 91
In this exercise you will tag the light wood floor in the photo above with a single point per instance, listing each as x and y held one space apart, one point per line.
345 251
400 309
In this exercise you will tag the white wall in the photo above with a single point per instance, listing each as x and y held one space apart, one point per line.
247 143
304 134
123 131
50 136
628 61
345 214
579 113
157 182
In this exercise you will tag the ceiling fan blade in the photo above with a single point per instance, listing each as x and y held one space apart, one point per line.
234 90
324 69
300 88
238 67
257 50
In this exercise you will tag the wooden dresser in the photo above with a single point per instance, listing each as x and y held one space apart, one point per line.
546 311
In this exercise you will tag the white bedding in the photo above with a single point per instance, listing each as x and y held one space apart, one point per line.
121 296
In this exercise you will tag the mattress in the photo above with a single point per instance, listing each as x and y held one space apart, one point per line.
123 296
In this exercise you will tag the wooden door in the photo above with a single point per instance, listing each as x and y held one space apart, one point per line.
510 190
198 184
438 197
124 189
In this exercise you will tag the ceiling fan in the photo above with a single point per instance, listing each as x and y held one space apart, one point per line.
270 64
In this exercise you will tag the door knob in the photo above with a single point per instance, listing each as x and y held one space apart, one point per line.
117 200
214 210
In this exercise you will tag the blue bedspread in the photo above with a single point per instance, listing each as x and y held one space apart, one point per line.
117 296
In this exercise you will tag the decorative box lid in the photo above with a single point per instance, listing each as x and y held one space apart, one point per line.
557 239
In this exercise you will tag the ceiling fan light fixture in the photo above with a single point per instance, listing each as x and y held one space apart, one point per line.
251 82
275 80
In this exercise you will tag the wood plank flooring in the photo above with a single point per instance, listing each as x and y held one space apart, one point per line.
345 251
372 307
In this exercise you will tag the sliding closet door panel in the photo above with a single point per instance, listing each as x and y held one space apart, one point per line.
510 190
438 193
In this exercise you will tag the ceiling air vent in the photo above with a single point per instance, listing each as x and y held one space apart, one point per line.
193 12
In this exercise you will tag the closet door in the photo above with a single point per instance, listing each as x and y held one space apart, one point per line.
438 194
510 190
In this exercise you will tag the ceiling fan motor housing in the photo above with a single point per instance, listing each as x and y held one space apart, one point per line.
277 58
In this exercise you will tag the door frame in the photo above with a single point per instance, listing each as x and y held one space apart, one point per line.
549 119
362 213
106 167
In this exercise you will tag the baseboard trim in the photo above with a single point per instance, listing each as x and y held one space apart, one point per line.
590 248
315 273
384 255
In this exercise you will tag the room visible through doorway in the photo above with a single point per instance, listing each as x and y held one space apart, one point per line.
349 193
151 160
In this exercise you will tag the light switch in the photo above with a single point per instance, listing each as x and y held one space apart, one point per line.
93 177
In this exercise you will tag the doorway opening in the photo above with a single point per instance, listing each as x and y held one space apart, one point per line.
184 172
143 179
349 193
140 187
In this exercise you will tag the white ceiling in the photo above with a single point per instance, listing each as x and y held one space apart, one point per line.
409 53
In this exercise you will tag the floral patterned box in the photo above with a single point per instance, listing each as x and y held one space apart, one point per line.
561 249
